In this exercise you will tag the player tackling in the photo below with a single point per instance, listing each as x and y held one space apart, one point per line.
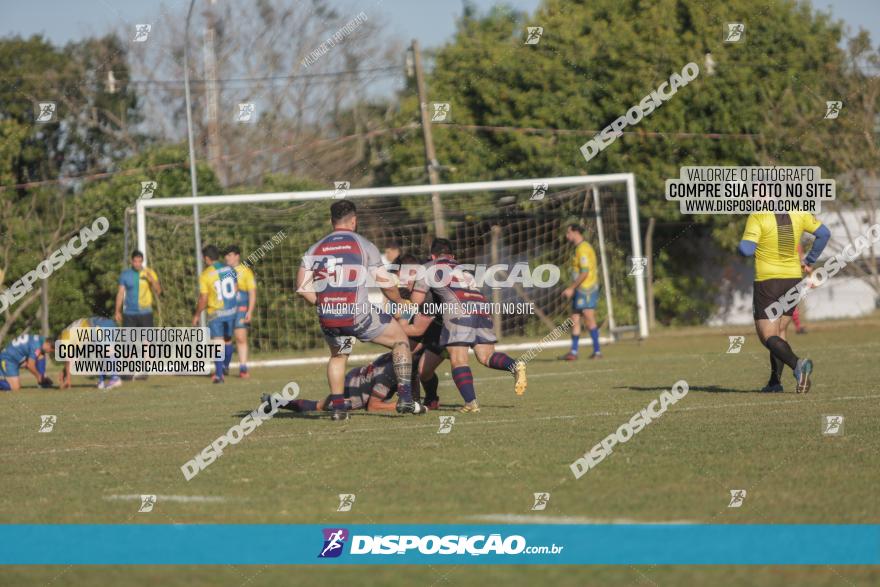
466 324
333 277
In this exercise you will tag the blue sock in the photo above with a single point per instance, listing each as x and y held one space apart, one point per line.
4 385
337 402
594 334
464 381
575 339
41 366
242 368
228 358
501 362
301 405
404 390
218 369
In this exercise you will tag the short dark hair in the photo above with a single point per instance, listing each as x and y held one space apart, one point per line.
441 246
211 252
232 249
393 244
407 259
576 228
341 210
137 253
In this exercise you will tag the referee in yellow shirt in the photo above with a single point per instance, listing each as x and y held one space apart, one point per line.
583 291
772 239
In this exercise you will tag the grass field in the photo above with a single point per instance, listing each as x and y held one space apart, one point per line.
723 435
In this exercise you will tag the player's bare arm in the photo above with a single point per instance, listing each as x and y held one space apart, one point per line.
569 291
31 365
153 281
417 327
65 377
252 304
120 298
201 304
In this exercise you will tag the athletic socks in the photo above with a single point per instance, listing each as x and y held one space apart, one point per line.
464 381
301 405
218 369
776 367
430 387
575 340
501 362
337 402
242 369
402 359
415 384
4 385
782 351
228 358
796 318
594 334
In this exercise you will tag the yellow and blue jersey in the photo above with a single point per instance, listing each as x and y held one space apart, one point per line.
19 350
218 282
138 293
246 283
584 261
93 322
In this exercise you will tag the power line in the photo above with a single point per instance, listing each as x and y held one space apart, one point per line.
388 69
586 132
253 152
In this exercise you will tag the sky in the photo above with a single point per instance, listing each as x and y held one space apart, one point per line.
430 21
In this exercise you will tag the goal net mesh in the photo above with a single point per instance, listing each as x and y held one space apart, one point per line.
488 228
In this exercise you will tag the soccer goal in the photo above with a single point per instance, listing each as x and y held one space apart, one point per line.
494 222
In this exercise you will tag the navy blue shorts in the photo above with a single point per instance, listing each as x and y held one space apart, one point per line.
222 327
585 299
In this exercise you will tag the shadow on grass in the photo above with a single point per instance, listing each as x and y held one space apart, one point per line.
701 388
445 409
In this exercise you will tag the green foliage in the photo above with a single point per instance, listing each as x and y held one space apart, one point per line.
595 60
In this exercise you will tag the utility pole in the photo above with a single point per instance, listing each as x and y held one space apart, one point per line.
192 151
214 154
430 155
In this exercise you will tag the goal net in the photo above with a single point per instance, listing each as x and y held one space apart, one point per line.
489 223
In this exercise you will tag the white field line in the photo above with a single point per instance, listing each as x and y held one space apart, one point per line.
334 430
177 498
544 519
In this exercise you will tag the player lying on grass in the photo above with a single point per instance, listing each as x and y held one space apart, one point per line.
328 279
369 387
30 351
466 324
772 239
105 380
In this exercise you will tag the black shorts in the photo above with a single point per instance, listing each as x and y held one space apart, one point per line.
770 291
137 320
431 338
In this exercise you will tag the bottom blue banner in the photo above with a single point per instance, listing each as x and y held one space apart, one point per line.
246 544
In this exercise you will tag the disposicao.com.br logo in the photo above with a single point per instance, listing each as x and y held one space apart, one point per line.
334 540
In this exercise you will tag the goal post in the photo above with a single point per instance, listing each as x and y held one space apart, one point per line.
507 220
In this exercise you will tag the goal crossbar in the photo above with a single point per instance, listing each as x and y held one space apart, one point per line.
418 190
